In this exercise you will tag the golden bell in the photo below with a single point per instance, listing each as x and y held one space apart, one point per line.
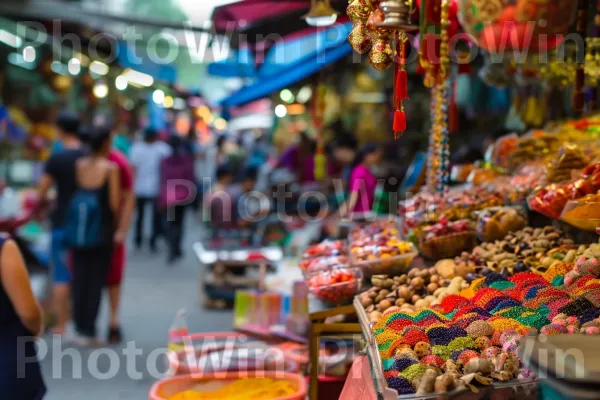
359 38
397 16
321 14
381 56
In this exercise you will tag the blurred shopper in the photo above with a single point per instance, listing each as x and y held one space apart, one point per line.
363 182
117 267
60 173
177 184
20 318
218 205
146 157
299 159
90 225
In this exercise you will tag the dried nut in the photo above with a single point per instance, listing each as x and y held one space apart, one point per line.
384 305
393 295
384 292
413 273
417 283
405 293
434 279
370 308
373 294
425 274
366 302
379 299
420 304
400 302
375 316
377 281
415 298
403 280
388 283
432 287
552 236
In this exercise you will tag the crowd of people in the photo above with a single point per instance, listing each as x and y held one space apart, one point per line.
95 186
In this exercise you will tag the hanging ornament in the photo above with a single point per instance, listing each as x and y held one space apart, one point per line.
320 159
505 25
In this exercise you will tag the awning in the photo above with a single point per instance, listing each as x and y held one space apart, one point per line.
293 49
292 74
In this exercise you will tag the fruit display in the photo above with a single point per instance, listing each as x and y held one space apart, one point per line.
336 286
517 252
570 157
471 338
326 248
250 388
414 291
496 222
447 239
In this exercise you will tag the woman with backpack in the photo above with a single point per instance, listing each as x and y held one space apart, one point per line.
20 322
90 224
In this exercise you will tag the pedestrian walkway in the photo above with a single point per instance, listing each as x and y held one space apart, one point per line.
153 293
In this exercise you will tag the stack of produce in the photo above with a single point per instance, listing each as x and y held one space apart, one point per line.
471 338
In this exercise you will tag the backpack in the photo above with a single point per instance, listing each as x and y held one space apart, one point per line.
84 225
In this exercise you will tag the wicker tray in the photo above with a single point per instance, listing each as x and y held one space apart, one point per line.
448 246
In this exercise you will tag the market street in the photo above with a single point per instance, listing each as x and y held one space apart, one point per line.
153 293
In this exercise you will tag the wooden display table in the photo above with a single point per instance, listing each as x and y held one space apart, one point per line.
317 314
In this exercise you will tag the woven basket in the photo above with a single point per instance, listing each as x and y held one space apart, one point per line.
448 246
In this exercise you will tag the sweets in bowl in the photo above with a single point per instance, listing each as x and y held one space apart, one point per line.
337 286
583 213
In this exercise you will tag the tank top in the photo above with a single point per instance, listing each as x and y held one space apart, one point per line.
30 385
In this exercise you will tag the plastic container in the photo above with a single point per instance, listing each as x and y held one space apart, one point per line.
228 351
495 223
165 388
583 214
386 265
340 292
312 265
448 246
326 248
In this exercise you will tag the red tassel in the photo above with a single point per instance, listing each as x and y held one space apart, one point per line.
399 123
401 87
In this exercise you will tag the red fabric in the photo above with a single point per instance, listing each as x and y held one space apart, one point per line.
359 383
124 168
117 266
252 11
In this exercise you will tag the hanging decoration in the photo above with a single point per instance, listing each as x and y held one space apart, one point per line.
380 28
505 25
318 111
